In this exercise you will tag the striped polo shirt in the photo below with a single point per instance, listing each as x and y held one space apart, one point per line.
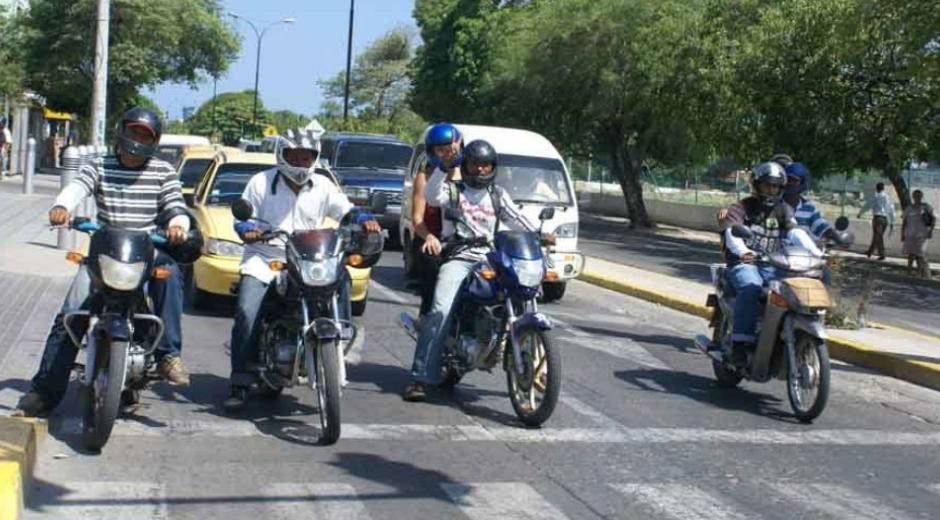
126 197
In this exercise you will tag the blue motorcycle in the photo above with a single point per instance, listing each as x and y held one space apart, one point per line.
496 319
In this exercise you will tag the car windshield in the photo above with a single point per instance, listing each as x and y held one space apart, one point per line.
192 170
230 180
373 155
169 153
533 179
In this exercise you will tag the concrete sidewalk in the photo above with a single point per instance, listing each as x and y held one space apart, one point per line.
894 352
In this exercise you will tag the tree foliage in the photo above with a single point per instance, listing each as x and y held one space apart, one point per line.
232 116
149 43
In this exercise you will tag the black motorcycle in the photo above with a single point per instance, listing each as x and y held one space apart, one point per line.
300 323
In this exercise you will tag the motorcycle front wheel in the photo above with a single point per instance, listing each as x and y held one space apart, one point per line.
326 362
101 399
808 385
534 387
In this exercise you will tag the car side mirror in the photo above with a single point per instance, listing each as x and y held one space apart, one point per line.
547 213
242 210
379 203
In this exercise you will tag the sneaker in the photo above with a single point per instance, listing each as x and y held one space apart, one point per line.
414 392
31 405
236 399
171 368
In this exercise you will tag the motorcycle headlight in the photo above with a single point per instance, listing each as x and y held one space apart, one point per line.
224 248
567 230
319 272
529 272
120 276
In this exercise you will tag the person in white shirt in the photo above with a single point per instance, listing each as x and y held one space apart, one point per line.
882 210
290 197
6 144
483 205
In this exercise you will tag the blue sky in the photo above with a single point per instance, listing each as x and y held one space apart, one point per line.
293 56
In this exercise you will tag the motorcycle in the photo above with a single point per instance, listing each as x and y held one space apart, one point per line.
791 343
300 326
122 331
496 308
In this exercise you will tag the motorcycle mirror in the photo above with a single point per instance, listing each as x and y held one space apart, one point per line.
379 203
547 213
741 232
846 239
242 209
842 223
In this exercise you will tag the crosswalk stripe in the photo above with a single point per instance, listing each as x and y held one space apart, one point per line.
502 501
837 502
321 501
476 432
623 348
681 502
104 501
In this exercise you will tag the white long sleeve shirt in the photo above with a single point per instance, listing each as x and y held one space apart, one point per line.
278 205
477 206
880 205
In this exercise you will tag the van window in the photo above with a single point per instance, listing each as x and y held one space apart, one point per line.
533 179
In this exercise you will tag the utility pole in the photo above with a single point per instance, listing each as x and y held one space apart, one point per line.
99 98
352 11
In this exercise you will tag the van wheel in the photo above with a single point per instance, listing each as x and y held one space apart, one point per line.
553 291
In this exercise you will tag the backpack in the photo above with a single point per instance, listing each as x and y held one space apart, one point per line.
457 187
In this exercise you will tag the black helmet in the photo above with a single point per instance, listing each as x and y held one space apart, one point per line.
143 117
482 152
190 250
769 173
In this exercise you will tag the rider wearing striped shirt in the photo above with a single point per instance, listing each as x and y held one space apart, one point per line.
132 190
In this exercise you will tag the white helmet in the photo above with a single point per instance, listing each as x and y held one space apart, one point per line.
297 138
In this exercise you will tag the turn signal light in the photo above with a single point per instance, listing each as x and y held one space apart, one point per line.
488 274
355 260
778 301
161 273
276 265
75 258
551 276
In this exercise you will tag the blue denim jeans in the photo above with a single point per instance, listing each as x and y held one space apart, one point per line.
58 357
252 293
748 280
426 367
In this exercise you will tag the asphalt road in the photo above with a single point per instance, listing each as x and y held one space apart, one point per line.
897 301
641 432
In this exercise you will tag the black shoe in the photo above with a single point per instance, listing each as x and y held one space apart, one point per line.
414 392
236 399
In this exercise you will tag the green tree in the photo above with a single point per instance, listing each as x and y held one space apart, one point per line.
12 74
232 116
150 43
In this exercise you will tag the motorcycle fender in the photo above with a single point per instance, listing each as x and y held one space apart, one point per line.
769 333
116 327
812 326
537 320
324 329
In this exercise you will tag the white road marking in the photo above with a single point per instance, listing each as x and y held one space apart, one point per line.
502 501
595 415
103 501
389 294
681 502
321 501
623 348
838 502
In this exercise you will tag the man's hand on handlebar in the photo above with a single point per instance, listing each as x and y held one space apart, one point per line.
548 239
748 258
58 216
372 226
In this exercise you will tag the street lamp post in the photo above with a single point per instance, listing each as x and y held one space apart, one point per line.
352 11
254 109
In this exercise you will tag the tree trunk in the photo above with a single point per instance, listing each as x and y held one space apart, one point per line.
892 171
627 171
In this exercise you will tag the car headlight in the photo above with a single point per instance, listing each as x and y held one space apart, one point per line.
567 230
529 272
356 192
319 272
224 248
120 276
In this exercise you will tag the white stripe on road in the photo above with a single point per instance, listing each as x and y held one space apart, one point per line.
502 501
471 432
623 348
595 415
681 502
389 294
838 502
103 501
322 501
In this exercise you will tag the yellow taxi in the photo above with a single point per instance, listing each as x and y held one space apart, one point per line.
192 163
216 271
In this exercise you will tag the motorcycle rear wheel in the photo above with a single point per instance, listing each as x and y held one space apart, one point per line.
809 390
101 400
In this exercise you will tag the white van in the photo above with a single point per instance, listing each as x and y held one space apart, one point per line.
171 145
532 171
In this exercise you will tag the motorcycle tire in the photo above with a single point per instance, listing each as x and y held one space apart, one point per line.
101 400
807 344
552 386
328 391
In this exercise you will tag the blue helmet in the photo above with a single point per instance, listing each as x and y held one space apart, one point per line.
799 171
441 134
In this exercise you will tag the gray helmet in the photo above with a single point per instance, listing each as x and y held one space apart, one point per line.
768 173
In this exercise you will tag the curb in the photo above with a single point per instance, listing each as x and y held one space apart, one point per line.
917 372
19 441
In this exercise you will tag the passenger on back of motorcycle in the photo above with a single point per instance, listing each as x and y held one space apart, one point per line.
290 197
483 205
807 215
770 221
